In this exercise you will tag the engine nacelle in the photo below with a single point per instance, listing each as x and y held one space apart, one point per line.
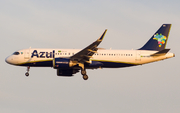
62 63
66 72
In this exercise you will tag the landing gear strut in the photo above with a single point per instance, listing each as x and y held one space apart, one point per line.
83 71
27 73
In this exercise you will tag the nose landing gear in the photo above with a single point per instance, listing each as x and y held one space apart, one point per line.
27 73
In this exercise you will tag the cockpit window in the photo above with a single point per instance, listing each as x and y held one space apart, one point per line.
16 53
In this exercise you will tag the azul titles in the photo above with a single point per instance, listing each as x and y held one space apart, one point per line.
43 54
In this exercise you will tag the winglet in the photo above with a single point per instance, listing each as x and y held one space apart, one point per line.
102 36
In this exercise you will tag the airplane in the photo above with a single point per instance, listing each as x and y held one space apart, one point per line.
68 62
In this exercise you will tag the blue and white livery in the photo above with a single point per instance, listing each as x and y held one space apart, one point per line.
70 61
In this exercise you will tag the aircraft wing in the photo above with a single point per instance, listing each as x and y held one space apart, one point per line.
85 54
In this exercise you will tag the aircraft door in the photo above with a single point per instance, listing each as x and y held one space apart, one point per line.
138 55
27 54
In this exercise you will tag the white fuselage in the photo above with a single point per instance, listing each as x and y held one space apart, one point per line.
132 57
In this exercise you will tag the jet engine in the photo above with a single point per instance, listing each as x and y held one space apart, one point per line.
62 63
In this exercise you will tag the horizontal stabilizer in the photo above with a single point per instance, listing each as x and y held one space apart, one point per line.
160 53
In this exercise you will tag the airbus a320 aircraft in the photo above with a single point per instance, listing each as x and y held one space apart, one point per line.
70 61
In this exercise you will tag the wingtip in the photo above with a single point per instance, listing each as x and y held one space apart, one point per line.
102 36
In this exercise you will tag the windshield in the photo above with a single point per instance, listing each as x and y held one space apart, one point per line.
16 53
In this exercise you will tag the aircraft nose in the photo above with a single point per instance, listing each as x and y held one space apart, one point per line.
7 60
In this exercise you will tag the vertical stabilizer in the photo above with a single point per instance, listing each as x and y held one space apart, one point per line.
158 41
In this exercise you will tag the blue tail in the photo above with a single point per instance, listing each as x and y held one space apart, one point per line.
158 41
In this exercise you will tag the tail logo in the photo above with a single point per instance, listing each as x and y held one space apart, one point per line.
160 38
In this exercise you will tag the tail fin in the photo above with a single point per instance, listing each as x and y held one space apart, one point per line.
158 41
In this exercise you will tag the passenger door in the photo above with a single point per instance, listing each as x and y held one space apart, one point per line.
27 54
138 55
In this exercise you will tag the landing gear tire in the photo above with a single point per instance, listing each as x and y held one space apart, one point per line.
85 77
83 72
27 74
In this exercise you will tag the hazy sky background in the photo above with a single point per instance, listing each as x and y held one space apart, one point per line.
151 88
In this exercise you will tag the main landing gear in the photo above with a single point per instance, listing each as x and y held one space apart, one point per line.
27 73
83 71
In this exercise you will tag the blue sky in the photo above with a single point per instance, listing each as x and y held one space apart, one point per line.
149 88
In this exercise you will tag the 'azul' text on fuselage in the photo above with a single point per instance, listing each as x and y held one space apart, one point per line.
43 54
